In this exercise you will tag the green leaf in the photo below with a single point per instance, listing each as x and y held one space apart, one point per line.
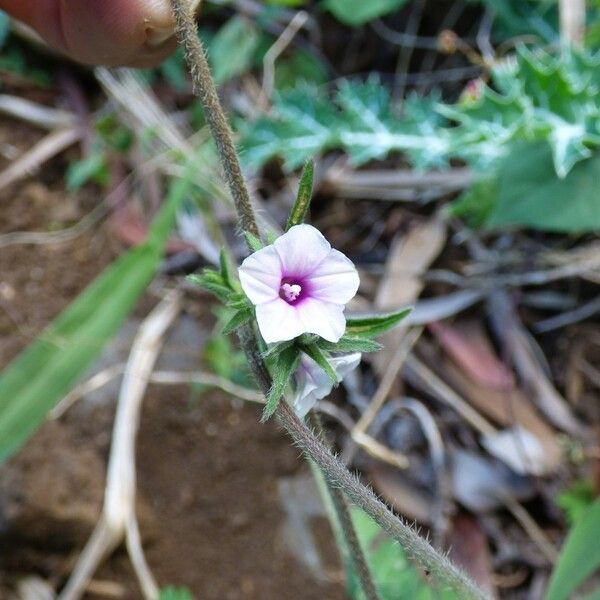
349 344
357 12
208 282
282 370
44 372
4 28
225 274
374 325
579 558
239 318
175 593
305 191
576 499
93 168
317 355
530 194
360 119
273 349
231 51
254 242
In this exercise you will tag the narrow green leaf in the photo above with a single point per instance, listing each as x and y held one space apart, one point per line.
274 349
350 344
305 191
283 369
225 274
254 242
208 282
317 355
175 593
373 325
579 558
238 319
43 373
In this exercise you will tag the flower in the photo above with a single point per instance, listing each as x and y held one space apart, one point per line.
299 284
312 383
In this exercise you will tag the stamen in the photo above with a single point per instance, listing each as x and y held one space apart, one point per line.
290 292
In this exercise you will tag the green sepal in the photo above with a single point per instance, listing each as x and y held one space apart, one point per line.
350 344
238 301
305 191
239 318
253 241
317 355
213 284
273 349
283 367
225 274
374 325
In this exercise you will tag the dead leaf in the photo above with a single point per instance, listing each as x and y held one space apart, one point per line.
469 347
469 549
409 257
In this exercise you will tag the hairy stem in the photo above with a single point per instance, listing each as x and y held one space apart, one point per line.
334 471
204 88
342 511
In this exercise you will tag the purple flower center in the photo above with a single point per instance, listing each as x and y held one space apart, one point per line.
291 291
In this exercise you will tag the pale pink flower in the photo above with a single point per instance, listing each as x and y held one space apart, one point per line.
299 284
312 383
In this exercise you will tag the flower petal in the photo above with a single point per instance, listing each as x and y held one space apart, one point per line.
301 250
345 364
335 279
260 275
322 318
278 321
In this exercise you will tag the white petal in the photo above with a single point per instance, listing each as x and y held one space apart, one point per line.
345 364
278 321
335 279
303 402
301 250
323 318
260 275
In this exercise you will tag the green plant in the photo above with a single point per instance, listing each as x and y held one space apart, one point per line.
579 558
40 376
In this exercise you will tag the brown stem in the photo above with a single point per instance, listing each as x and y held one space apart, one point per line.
342 511
204 87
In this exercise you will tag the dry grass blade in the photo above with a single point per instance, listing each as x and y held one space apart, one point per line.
118 519
35 114
51 145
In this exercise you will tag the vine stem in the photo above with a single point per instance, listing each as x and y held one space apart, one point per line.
204 88
344 518
334 471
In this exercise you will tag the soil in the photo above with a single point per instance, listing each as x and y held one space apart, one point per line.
208 472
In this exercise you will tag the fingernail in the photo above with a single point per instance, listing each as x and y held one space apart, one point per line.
157 36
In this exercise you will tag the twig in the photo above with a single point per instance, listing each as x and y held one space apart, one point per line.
398 359
36 114
118 519
273 53
344 518
572 22
161 377
585 311
333 470
49 146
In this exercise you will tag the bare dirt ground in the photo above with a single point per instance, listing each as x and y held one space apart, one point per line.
208 505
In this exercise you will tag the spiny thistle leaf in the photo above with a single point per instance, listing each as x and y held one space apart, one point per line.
360 119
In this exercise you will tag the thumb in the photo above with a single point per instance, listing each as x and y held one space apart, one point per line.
108 32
